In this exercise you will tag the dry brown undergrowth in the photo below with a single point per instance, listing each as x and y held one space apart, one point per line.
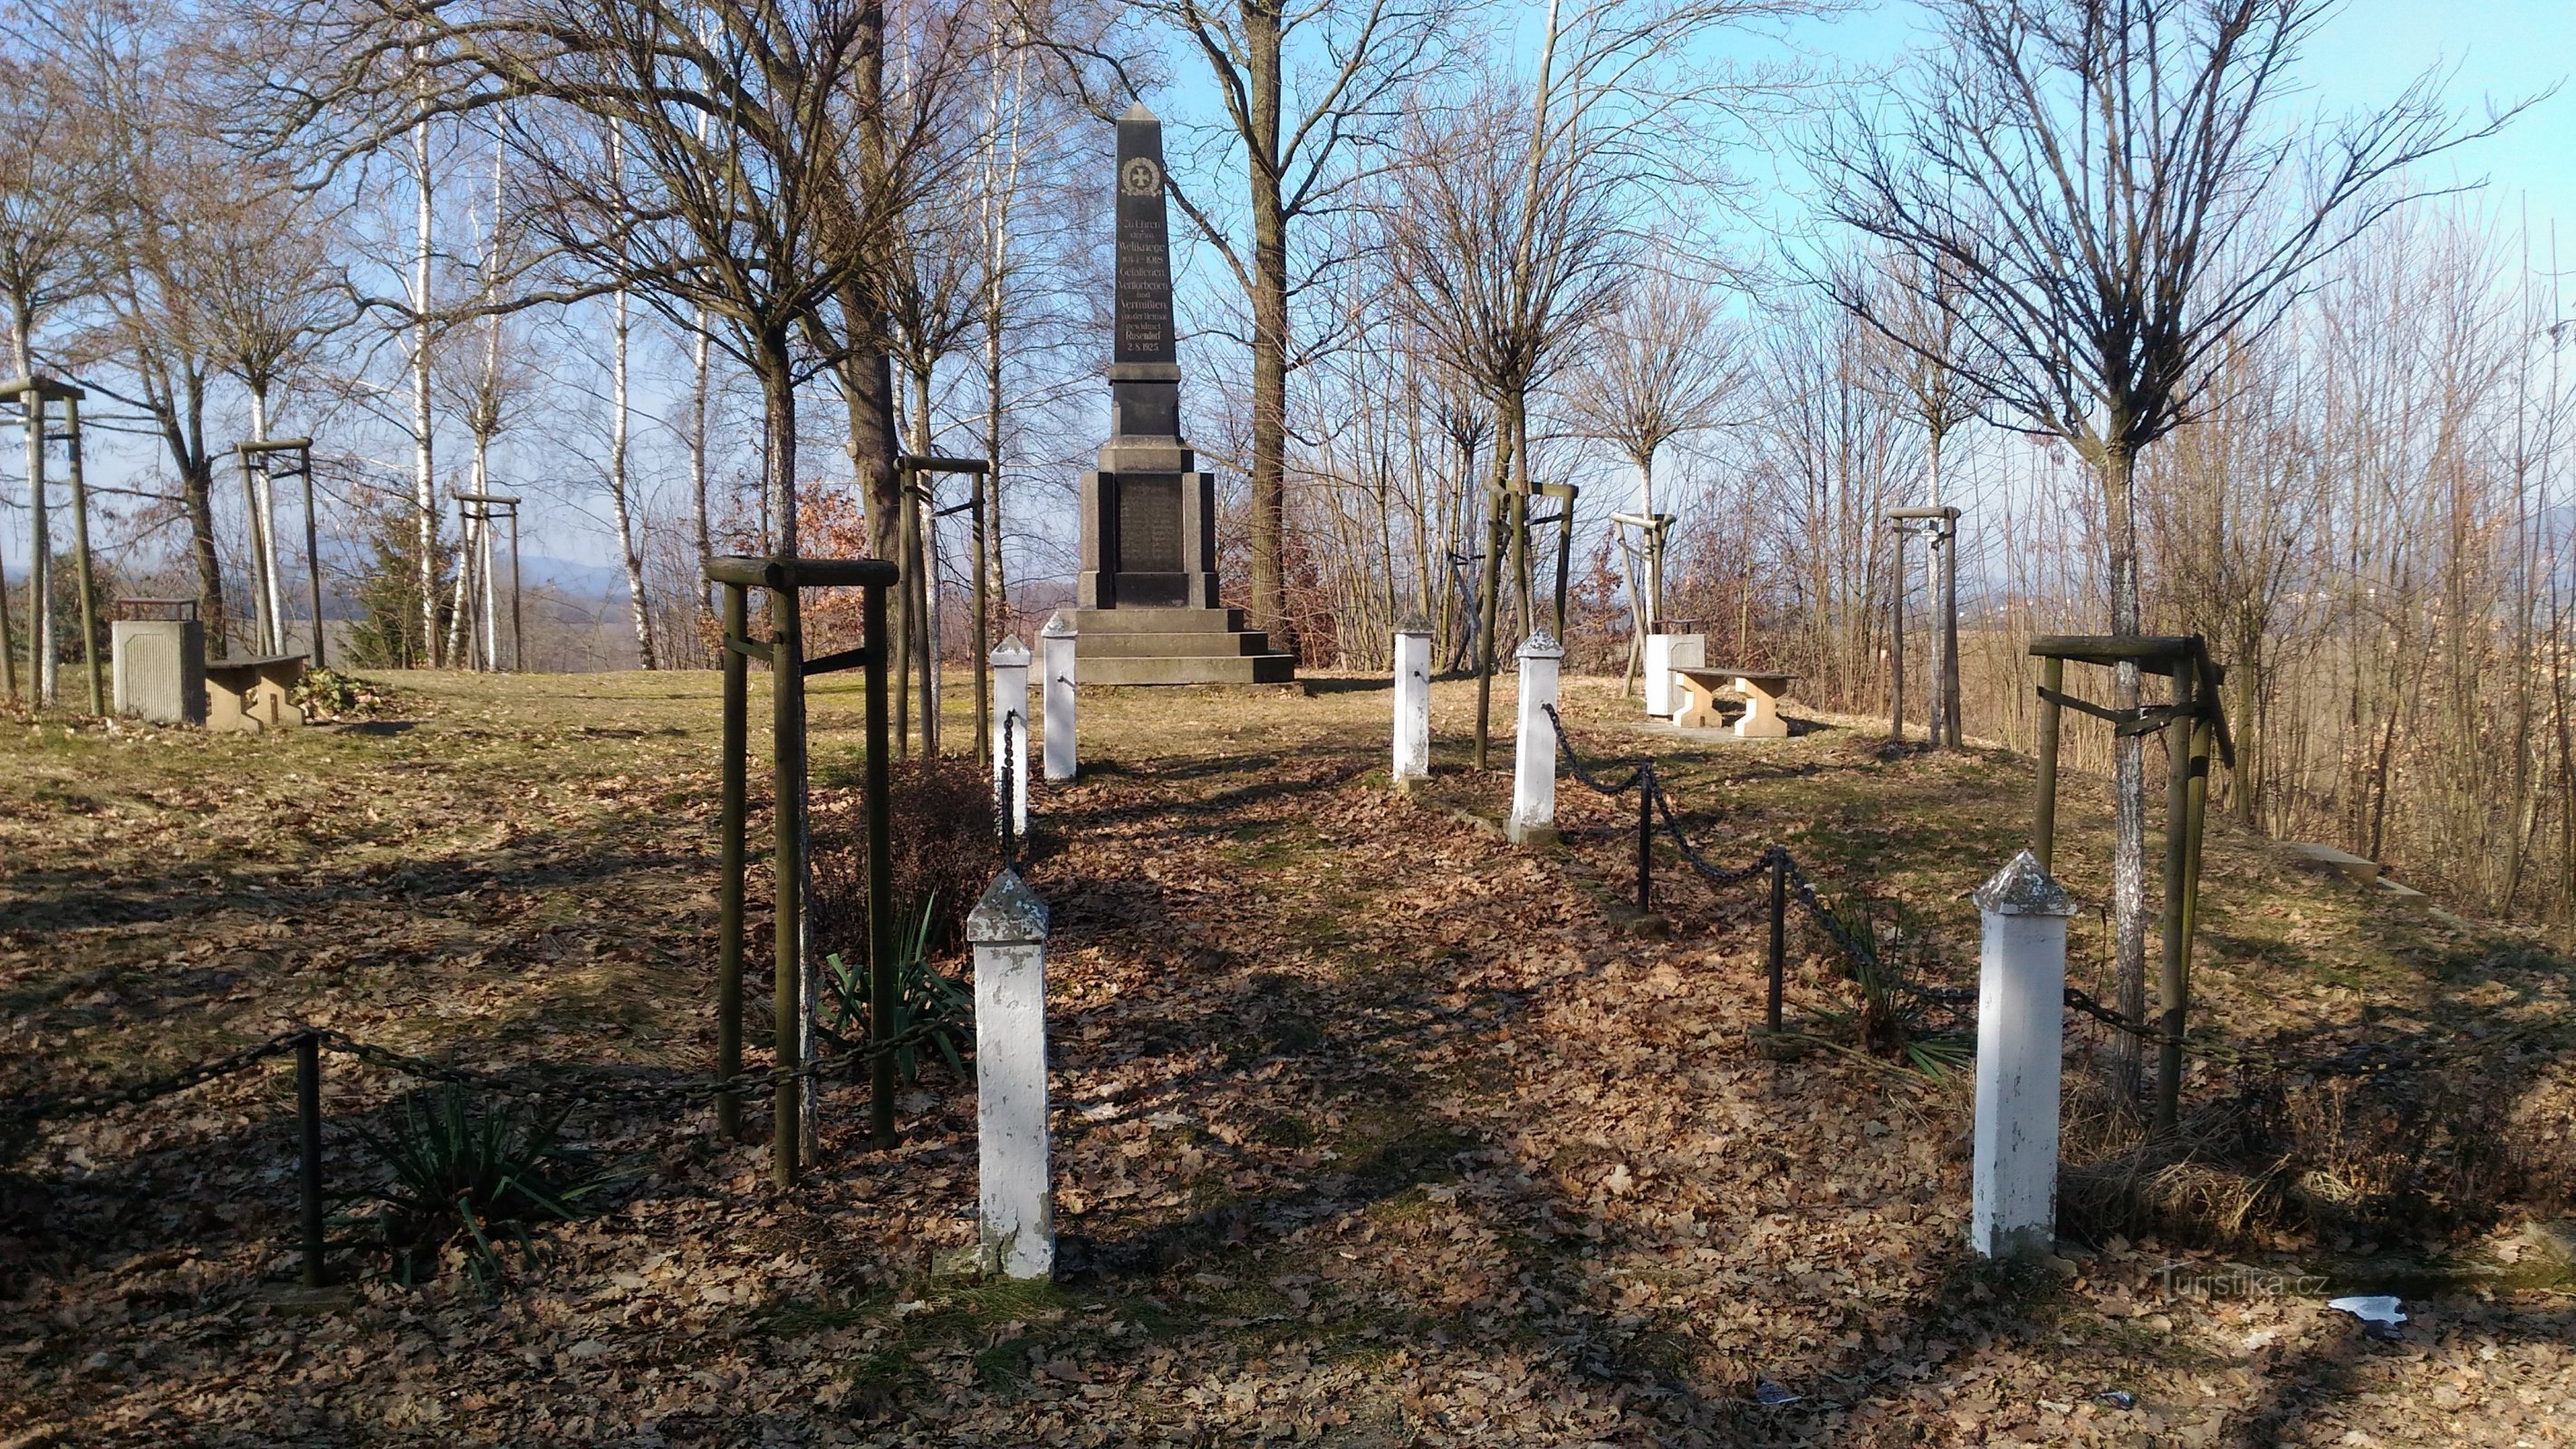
1371 1131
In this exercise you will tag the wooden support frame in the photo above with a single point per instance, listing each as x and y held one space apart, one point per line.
1939 526
2195 707
910 467
260 458
487 509
786 579
34 393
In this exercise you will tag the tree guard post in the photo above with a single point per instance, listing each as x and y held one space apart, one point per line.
737 670
1056 643
81 574
1412 760
2196 722
1534 750
486 509
1896 647
2043 811
1939 526
795 1119
2170 984
32 393
791 1036
263 456
921 506
883 986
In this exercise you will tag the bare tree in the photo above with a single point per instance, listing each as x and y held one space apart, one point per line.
1664 366
163 174
1933 371
750 217
1503 253
2109 193
48 202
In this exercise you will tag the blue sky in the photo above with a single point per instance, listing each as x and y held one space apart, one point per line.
2363 56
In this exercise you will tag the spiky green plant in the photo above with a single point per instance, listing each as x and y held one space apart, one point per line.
942 1006
464 1170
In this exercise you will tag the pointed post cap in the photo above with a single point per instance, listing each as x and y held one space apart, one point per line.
1009 914
1414 624
1136 112
1540 645
1058 626
2021 888
1010 654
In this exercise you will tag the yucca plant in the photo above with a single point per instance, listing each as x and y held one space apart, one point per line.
465 1170
1889 1016
941 1005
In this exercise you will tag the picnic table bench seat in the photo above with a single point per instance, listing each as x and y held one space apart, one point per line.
1760 688
253 694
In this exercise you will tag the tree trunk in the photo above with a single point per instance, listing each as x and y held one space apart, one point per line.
424 482
2115 465
617 485
263 533
1264 81
774 372
698 464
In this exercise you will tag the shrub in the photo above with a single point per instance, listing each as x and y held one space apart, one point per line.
945 853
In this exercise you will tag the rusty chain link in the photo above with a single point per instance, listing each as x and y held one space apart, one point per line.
2359 1059
588 1088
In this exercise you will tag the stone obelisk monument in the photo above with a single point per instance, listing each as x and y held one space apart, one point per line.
1147 594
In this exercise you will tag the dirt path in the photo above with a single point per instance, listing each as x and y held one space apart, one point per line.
1370 1131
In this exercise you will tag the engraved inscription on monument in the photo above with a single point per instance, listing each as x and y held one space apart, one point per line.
1144 296
1149 523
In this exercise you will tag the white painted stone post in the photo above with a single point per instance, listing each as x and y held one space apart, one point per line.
1533 819
1011 724
2021 1036
1013 1189
1412 703
1055 645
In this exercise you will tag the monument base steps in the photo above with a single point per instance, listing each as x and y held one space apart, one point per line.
1175 646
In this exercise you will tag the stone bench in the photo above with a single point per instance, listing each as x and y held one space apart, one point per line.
1761 689
253 694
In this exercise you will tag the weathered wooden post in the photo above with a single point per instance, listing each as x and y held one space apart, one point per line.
308 1158
1412 703
2172 978
1056 643
2043 812
1896 648
2021 1031
1010 665
729 856
1008 928
1533 820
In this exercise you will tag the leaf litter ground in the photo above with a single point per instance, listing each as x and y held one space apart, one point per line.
1371 1131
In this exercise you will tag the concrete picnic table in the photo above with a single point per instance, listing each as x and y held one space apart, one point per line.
253 694
1761 689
